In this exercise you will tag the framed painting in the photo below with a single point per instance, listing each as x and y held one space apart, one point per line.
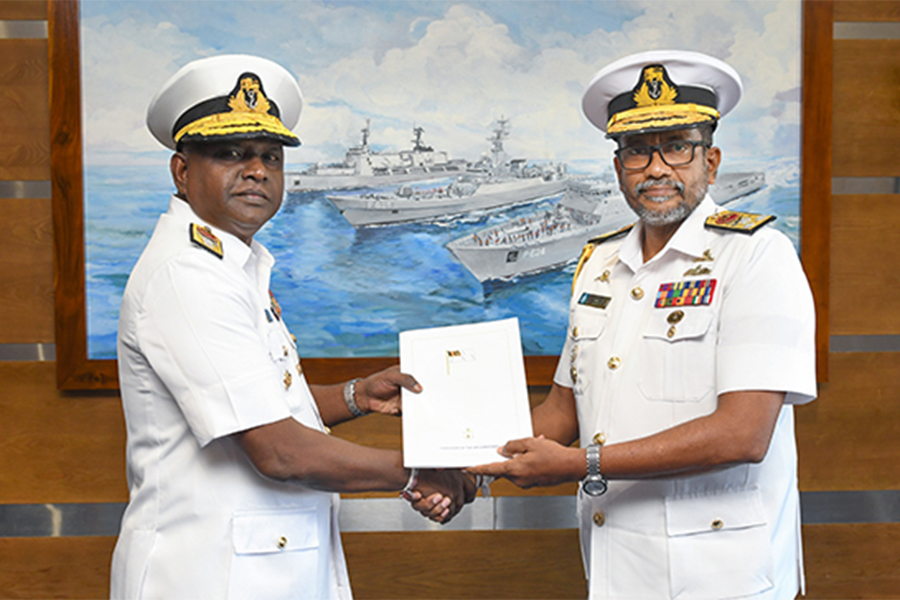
446 175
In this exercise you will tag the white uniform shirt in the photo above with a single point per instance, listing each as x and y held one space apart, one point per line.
640 364
203 354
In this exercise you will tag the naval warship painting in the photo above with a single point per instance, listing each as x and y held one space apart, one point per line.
494 181
549 239
362 167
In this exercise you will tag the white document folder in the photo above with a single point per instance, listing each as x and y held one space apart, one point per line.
474 398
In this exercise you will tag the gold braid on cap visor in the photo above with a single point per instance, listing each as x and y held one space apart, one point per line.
235 122
660 117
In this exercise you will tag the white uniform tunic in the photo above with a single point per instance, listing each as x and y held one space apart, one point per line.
203 354
640 361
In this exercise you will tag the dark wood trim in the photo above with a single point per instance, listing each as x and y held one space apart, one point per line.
73 370
815 185
76 372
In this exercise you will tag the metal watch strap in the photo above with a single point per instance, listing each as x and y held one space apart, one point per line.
350 398
593 460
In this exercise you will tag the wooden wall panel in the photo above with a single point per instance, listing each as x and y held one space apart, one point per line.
55 447
852 561
866 108
865 247
35 10
849 438
24 107
63 567
26 270
867 10
465 564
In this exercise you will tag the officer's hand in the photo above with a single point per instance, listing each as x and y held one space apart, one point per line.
441 493
536 462
380 392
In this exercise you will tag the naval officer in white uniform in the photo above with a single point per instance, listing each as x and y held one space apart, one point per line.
690 339
231 472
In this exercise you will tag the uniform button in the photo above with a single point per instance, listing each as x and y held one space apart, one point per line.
637 293
294 338
282 542
574 352
284 348
287 380
718 524
599 518
599 438
614 362
575 331
573 372
671 332
299 369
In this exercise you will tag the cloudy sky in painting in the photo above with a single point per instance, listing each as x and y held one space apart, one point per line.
450 67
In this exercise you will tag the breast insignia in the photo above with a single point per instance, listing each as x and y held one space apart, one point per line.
206 239
738 221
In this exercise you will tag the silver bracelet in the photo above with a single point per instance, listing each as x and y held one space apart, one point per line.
350 398
407 492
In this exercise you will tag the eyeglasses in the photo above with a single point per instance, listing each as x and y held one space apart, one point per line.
676 153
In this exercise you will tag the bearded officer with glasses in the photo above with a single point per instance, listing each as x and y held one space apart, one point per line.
690 338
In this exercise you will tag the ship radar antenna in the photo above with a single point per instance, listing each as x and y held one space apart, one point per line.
365 134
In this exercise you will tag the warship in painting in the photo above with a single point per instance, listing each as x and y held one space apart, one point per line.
362 167
549 239
494 181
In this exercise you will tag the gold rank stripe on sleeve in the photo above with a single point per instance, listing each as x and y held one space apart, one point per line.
206 239
738 221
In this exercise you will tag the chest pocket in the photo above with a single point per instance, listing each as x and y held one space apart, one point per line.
678 354
587 323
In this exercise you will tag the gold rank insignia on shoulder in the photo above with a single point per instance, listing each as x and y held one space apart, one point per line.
738 221
605 237
593 243
206 239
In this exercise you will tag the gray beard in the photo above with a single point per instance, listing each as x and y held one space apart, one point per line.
674 215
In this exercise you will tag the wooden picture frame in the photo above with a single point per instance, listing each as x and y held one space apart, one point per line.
76 371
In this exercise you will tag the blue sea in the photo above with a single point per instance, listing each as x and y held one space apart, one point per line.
347 292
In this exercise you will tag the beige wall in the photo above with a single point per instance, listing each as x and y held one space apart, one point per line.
69 448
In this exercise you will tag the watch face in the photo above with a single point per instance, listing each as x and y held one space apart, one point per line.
594 486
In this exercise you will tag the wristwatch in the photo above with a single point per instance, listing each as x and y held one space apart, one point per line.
594 484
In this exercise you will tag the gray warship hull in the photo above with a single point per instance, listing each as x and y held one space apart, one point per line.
369 210
549 240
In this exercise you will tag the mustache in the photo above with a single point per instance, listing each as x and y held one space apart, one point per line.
652 183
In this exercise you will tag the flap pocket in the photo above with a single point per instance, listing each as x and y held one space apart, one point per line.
263 532
717 512
587 323
676 324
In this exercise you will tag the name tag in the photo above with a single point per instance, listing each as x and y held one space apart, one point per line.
594 300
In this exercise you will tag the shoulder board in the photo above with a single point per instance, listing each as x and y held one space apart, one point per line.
206 239
738 221
605 237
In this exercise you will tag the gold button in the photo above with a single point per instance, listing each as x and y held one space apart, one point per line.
299 369
637 293
294 338
675 317
575 331
671 332
599 518
282 542
574 352
573 372
284 348
287 380
614 363
326 429
599 438
718 524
